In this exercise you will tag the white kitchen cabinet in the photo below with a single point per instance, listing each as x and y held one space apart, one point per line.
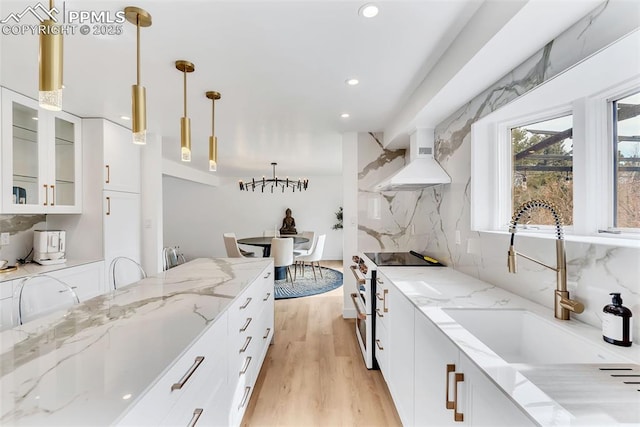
451 390
41 158
400 323
381 314
87 279
6 304
121 159
121 231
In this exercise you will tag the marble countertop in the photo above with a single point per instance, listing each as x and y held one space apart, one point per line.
529 386
87 366
32 268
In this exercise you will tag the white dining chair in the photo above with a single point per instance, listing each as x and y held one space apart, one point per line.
125 271
232 248
40 295
314 256
282 253
306 247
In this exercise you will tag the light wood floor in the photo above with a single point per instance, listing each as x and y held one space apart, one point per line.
313 374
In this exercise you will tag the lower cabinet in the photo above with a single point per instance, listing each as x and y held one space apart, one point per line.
212 382
87 279
452 390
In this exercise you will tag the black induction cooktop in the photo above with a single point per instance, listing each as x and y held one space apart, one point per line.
400 259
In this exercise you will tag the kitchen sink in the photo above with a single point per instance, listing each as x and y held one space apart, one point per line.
520 336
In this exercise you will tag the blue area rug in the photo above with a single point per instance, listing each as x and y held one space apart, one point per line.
305 286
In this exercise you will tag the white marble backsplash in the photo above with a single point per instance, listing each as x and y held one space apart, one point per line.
20 229
427 220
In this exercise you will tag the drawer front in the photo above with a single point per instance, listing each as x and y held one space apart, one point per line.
200 371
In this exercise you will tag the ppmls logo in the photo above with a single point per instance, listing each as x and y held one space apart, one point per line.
39 11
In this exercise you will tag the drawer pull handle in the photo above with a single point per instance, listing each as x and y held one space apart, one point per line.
379 313
108 174
108 205
267 297
246 325
187 375
360 314
266 334
450 368
457 416
46 194
62 291
384 303
378 345
243 402
246 345
267 276
196 416
245 366
246 304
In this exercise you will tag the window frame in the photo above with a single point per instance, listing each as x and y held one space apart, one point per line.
587 92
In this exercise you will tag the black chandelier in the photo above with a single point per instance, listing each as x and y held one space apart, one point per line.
275 182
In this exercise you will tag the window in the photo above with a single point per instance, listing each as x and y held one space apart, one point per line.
543 167
626 149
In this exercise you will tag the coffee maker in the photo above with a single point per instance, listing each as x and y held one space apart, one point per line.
49 246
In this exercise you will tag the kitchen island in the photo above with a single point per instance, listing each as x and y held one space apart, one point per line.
92 364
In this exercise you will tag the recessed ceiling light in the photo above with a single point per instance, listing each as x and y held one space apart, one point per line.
344 115
126 396
352 82
34 118
125 117
368 10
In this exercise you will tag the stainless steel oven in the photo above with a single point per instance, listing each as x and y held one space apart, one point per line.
365 271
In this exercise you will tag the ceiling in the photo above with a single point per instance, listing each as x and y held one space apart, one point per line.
280 66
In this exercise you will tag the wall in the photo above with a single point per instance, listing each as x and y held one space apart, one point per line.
428 220
195 215
20 228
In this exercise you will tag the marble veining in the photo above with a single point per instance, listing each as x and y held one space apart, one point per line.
73 367
439 212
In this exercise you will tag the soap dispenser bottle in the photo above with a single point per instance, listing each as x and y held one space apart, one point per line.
616 322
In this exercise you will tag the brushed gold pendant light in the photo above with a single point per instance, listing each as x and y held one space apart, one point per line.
140 18
50 62
185 122
213 140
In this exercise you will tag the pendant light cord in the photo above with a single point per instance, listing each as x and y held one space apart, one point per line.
185 92
138 49
213 117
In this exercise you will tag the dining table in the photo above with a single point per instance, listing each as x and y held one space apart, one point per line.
265 243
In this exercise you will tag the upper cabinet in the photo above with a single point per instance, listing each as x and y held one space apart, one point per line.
41 158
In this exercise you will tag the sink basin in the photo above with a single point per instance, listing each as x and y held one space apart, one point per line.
520 336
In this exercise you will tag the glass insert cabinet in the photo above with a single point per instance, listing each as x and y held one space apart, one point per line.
41 158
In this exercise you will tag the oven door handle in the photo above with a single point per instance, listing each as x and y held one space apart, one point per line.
360 314
360 279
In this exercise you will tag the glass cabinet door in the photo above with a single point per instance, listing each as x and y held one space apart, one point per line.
26 155
64 189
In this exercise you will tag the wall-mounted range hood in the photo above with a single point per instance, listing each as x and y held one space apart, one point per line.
421 171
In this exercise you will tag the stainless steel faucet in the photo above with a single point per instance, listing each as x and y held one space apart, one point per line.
563 305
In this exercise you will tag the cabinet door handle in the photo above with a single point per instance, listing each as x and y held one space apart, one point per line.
108 180
187 375
245 366
450 404
246 304
266 334
378 345
457 416
46 194
196 416
243 402
267 297
246 324
267 276
53 195
379 313
108 205
384 300
246 345
62 291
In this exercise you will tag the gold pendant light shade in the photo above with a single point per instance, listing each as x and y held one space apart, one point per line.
139 18
50 87
185 139
139 114
185 123
213 140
